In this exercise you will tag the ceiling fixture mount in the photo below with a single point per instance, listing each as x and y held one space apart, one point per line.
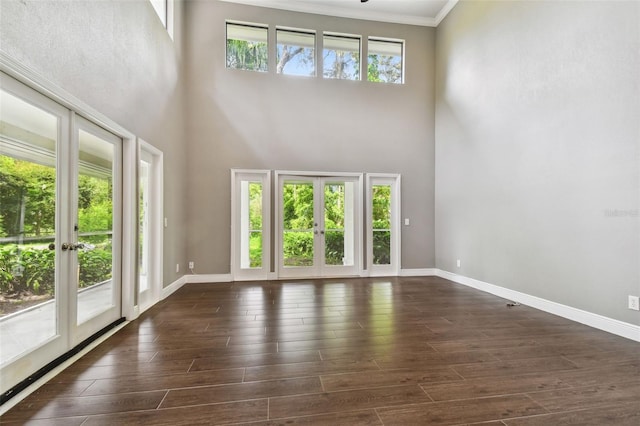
363 1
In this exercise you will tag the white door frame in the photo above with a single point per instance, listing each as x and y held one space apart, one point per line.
393 180
319 270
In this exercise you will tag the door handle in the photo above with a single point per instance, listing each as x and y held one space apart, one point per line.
70 246
52 246
322 232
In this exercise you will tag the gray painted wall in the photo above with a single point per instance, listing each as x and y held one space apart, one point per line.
538 130
241 119
117 58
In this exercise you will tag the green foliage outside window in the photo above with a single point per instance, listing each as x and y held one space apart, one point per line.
298 224
247 55
381 215
27 225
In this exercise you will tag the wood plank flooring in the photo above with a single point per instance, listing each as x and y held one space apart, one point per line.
383 351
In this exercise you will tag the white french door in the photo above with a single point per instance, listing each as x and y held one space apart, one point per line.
60 230
319 225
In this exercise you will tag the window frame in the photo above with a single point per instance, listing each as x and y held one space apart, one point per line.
315 49
247 25
239 273
394 181
357 37
402 44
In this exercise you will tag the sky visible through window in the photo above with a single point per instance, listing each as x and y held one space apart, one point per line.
248 49
296 53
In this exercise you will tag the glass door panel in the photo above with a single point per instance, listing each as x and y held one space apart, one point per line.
97 180
338 231
33 303
28 181
298 224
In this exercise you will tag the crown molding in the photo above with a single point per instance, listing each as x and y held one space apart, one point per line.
306 7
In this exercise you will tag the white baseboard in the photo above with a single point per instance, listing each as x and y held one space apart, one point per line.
610 325
171 288
208 278
418 272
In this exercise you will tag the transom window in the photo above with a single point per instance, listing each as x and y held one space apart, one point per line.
247 47
296 52
385 61
341 57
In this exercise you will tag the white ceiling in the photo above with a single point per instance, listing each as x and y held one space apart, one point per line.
427 13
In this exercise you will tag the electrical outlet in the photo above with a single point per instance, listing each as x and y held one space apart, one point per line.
634 303
177 267
458 263
191 265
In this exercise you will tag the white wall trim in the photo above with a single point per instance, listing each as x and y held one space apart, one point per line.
418 272
610 325
171 288
208 278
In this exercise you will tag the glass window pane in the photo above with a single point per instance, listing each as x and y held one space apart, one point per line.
27 226
250 224
296 53
381 224
247 47
95 225
385 61
144 237
341 57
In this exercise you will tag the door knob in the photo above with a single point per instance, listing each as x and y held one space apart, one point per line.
52 246
71 246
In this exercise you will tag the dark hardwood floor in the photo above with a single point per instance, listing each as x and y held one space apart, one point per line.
397 351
